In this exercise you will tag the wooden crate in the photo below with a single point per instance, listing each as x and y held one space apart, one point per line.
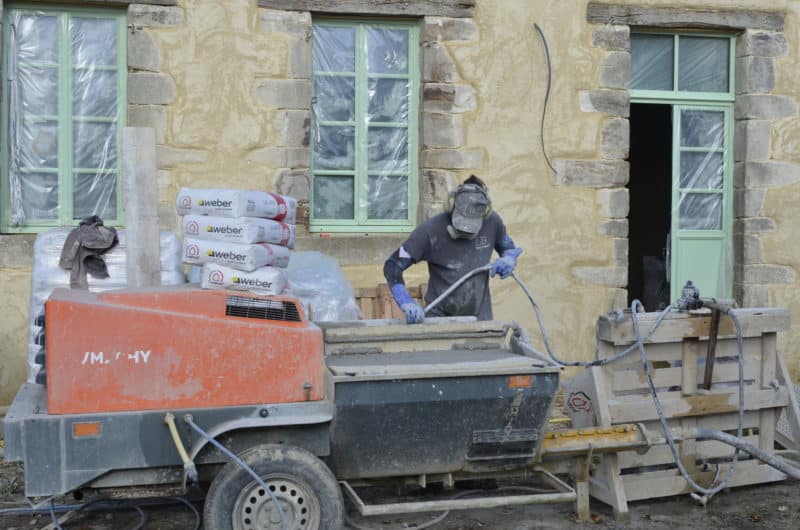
377 302
618 393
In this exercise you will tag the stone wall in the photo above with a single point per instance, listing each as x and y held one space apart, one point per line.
226 87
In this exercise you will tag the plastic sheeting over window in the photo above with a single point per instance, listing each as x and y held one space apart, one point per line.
702 169
64 72
362 110
703 63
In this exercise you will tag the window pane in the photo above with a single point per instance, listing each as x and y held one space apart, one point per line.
702 128
94 41
387 51
335 98
388 100
334 148
38 146
334 49
36 37
703 64
38 90
94 194
652 61
388 197
333 197
94 145
701 170
39 194
94 93
387 150
701 211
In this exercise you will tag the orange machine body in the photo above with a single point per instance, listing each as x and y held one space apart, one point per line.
177 348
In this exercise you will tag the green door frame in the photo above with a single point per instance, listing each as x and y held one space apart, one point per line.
693 248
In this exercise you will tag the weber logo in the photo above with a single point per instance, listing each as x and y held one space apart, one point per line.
216 277
192 251
185 201
251 282
215 203
224 230
232 256
193 228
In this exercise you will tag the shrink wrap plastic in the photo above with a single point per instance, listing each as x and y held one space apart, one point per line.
47 275
322 287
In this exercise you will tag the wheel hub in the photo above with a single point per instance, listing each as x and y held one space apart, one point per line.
255 510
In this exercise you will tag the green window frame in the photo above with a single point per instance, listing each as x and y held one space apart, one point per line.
71 76
364 84
702 255
688 95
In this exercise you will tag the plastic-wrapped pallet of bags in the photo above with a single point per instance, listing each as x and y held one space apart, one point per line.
240 257
48 275
266 280
222 202
243 230
322 287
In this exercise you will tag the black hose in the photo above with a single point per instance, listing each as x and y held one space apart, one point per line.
546 95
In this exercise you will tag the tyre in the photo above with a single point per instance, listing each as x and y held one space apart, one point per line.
301 483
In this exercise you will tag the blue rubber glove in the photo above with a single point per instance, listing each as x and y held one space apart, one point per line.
414 313
505 264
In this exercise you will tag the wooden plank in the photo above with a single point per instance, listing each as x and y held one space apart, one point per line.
660 454
671 352
675 405
768 419
416 8
683 17
366 292
678 326
384 302
643 486
610 487
690 352
688 450
368 308
717 422
630 380
793 408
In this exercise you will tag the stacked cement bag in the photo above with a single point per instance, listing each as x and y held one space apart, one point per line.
241 238
47 275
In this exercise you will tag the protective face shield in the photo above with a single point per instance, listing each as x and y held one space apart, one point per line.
471 205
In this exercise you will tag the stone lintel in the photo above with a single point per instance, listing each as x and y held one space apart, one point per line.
415 8
682 17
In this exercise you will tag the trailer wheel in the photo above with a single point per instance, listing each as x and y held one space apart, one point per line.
303 485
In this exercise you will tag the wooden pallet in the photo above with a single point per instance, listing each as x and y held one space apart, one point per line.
377 302
618 393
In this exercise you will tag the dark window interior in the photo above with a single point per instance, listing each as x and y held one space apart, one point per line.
650 201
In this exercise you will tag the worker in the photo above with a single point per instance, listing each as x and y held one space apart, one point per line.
453 243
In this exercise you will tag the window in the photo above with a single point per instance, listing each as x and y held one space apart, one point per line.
693 75
63 113
690 66
364 131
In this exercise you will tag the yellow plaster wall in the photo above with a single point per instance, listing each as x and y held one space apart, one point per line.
216 57
15 286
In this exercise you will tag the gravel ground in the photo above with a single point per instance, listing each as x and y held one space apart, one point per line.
775 506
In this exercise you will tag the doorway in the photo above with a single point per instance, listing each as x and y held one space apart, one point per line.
649 217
